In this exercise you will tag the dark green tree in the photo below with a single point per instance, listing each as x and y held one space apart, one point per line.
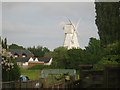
60 57
15 46
91 55
5 43
94 51
75 57
71 58
38 51
109 59
2 44
107 21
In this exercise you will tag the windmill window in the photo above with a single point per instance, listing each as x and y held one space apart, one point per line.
24 55
16 55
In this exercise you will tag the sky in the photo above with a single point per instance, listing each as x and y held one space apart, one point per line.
39 23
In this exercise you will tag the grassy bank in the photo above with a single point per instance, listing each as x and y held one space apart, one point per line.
32 74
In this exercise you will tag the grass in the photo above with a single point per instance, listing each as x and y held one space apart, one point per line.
32 74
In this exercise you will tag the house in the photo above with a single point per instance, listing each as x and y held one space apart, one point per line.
22 61
39 60
20 53
26 58
21 56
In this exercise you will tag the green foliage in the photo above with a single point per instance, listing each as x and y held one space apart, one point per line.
15 72
60 57
94 46
94 51
76 57
113 48
91 55
38 51
10 70
15 46
4 43
109 59
107 21
70 59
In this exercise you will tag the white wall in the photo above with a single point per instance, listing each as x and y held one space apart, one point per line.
25 64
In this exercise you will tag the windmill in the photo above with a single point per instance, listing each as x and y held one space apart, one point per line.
71 40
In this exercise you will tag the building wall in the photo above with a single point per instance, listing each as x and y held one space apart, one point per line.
35 63
25 64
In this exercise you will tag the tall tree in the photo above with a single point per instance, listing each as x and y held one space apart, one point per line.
2 43
5 43
107 21
94 50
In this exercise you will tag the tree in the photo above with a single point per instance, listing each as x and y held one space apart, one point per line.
109 59
5 43
75 58
107 21
59 57
38 51
94 51
71 58
10 69
2 44
15 46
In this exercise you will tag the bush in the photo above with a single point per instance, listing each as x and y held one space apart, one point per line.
15 72
109 59
10 70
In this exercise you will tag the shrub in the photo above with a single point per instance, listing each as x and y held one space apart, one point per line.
10 70
109 59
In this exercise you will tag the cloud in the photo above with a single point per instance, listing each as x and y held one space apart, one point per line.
25 28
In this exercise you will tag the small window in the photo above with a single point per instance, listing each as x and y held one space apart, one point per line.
16 55
24 55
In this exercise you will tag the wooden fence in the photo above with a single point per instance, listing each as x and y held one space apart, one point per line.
107 78
54 84
112 76
22 84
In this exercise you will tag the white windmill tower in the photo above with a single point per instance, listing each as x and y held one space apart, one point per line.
71 33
